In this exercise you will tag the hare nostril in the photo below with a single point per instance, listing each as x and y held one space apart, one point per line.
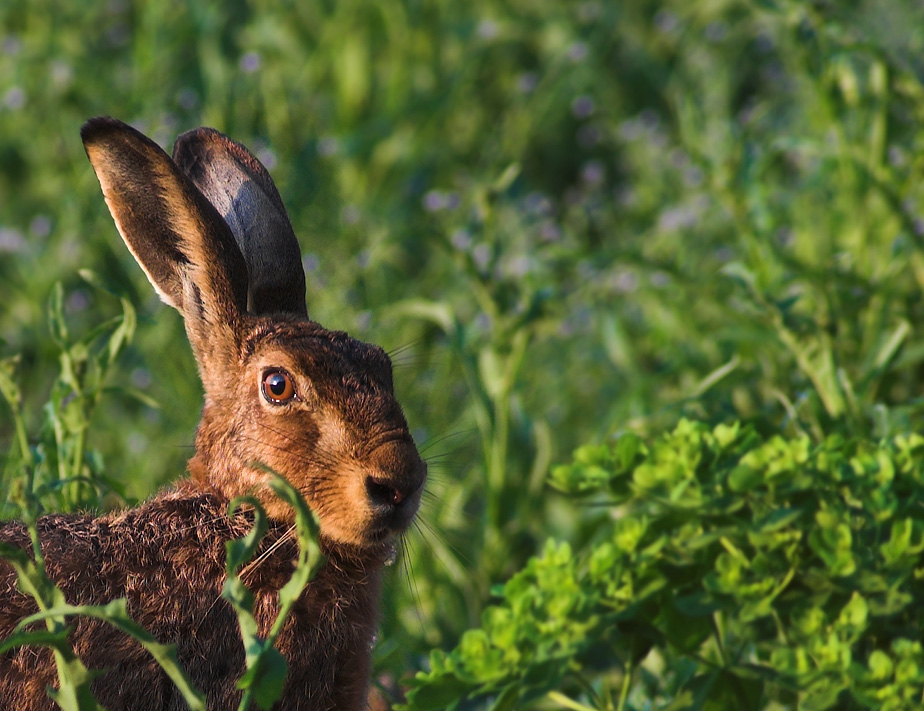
383 494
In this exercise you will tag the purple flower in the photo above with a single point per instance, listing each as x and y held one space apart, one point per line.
577 51
527 82
593 173
250 62
434 200
583 107
328 146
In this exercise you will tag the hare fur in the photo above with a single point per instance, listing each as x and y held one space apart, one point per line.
209 230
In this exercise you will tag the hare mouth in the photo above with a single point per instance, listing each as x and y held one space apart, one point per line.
390 519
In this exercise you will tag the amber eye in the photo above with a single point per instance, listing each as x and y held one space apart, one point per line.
278 387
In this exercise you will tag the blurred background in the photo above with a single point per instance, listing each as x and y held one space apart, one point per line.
565 220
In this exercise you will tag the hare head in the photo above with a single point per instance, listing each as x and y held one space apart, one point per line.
210 232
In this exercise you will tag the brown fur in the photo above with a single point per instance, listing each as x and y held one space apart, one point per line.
341 439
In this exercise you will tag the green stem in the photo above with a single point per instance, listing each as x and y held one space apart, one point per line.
626 685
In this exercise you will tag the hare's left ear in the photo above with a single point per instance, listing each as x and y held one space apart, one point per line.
243 192
184 246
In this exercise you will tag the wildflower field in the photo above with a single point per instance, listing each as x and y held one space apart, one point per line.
651 274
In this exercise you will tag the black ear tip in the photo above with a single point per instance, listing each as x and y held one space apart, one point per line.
188 146
99 126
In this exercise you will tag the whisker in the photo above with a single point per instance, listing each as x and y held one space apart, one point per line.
432 530
402 348
412 586
424 446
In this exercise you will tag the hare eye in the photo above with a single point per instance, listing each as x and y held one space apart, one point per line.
278 387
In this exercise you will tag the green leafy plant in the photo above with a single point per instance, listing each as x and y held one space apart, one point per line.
59 471
726 570
266 670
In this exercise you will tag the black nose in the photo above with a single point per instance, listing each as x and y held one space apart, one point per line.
387 493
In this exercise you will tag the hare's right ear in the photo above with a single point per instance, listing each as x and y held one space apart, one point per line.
181 242
243 192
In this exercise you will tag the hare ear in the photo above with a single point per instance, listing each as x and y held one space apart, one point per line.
175 234
243 192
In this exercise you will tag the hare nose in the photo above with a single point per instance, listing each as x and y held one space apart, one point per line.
385 493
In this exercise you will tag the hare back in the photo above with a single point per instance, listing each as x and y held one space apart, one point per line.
166 558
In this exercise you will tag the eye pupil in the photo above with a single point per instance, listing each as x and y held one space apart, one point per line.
277 384
278 387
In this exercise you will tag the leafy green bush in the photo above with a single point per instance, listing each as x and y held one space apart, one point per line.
724 570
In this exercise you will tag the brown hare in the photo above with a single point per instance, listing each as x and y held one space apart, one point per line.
210 232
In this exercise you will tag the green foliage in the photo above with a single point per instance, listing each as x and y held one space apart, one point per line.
725 570
57 471
566 220
266 668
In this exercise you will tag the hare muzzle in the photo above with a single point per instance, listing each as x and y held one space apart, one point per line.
393 489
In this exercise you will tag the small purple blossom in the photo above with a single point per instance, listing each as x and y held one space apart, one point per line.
593 173
659 279
583 107
897 157
363 320
519 266
537 203
577 51
141 378
267 157
250 62
764 43
678 217
624 281
549 232
15 98
350 215
716 31
487 29
461 240
11 45
650 119
527 82
434 200
693 176
328 146
481 254
40 226
630 130
187 98
11 240
77 301
665 21
311 263
62 73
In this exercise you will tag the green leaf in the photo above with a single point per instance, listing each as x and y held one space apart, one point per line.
116 614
